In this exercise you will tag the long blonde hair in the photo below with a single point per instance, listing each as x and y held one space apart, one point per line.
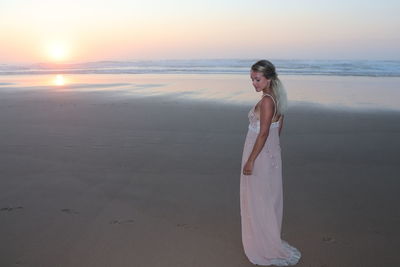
268 70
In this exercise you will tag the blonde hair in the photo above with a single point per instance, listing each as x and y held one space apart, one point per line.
268 70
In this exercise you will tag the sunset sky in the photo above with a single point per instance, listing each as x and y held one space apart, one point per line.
90 30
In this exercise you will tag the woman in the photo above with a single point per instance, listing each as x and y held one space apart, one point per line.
261 179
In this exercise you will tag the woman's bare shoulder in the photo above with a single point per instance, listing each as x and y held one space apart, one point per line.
267 103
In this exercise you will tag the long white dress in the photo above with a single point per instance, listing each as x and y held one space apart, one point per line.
261 200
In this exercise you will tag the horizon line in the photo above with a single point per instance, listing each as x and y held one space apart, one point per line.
190 59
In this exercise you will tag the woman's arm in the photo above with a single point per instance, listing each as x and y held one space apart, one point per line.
266 114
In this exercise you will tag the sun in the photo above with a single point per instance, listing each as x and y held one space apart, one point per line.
57 51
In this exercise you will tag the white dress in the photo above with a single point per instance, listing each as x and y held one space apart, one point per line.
261 200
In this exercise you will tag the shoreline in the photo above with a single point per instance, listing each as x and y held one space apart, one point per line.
331 91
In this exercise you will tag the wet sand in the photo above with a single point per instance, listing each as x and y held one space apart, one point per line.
89 179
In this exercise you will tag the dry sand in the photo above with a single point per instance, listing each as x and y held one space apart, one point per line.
89 179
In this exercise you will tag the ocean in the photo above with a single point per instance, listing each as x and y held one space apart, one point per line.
369 68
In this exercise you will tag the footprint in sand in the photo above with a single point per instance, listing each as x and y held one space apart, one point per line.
122 222
11 208
70 211
185 226
328 239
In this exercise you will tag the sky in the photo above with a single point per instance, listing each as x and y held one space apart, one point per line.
92 30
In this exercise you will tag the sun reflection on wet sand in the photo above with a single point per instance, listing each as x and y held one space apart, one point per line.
59 80
353 92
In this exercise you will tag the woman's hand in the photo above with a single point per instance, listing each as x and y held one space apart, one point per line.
248 168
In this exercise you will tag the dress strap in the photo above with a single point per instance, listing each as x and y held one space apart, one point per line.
275 107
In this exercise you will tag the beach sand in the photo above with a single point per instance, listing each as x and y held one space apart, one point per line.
89 179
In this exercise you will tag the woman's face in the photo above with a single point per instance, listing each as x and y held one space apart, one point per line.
260 83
